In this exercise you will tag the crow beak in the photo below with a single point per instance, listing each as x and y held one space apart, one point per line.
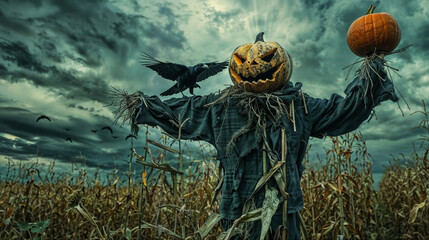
205 66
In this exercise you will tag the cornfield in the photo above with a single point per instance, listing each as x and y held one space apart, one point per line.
167 202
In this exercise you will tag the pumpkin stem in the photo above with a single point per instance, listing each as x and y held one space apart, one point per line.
260 37
370 10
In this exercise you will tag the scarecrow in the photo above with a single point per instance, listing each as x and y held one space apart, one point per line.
260 128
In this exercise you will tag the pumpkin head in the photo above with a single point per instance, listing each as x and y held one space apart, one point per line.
261 66
373 32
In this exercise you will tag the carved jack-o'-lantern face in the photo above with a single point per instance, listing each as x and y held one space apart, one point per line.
260 67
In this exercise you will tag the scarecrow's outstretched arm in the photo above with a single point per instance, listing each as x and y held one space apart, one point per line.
340 115
165 114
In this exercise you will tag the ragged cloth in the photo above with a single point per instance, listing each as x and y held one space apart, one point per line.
217 123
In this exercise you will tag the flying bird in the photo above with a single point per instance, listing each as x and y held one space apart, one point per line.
69 139
107 128
130 136
43 117
185 77
115 137
67 129
94 131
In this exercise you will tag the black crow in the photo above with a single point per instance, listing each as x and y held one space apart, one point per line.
94 131
69 139
185 77
43 117
67 129
130 135
107 128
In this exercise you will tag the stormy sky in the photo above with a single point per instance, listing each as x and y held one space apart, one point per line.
59 58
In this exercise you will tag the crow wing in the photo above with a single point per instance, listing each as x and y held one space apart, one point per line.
166 70
43 117
130 136
174 89
213 69
107 128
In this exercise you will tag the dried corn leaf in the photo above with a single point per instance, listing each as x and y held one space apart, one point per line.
266 177
138 156
144 174
350 228
82 210
8 214
160 145
269 207
248 217
218 186
414 211
328 227
127 234
316 186
327 191
333 187
340 185
115 181
235 232
163 166
208 225
353 181
162 229
193 191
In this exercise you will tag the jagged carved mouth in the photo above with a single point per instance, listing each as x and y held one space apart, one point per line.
266 76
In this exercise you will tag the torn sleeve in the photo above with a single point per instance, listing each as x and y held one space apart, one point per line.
339 115
165 114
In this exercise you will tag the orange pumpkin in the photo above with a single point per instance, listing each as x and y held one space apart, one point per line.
261 66
373 32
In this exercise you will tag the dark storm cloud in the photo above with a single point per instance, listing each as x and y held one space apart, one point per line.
125 27
168 35
4 100
3 69
18 53
165 30
88 33
48 139
14 25
166 11
222 18
91 109
423 33
17 149
91 34
22 123
83 35
385 131
72 87
46 46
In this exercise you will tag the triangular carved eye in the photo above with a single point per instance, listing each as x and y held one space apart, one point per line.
239 60
269 55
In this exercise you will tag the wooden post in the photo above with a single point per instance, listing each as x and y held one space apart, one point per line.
284 154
